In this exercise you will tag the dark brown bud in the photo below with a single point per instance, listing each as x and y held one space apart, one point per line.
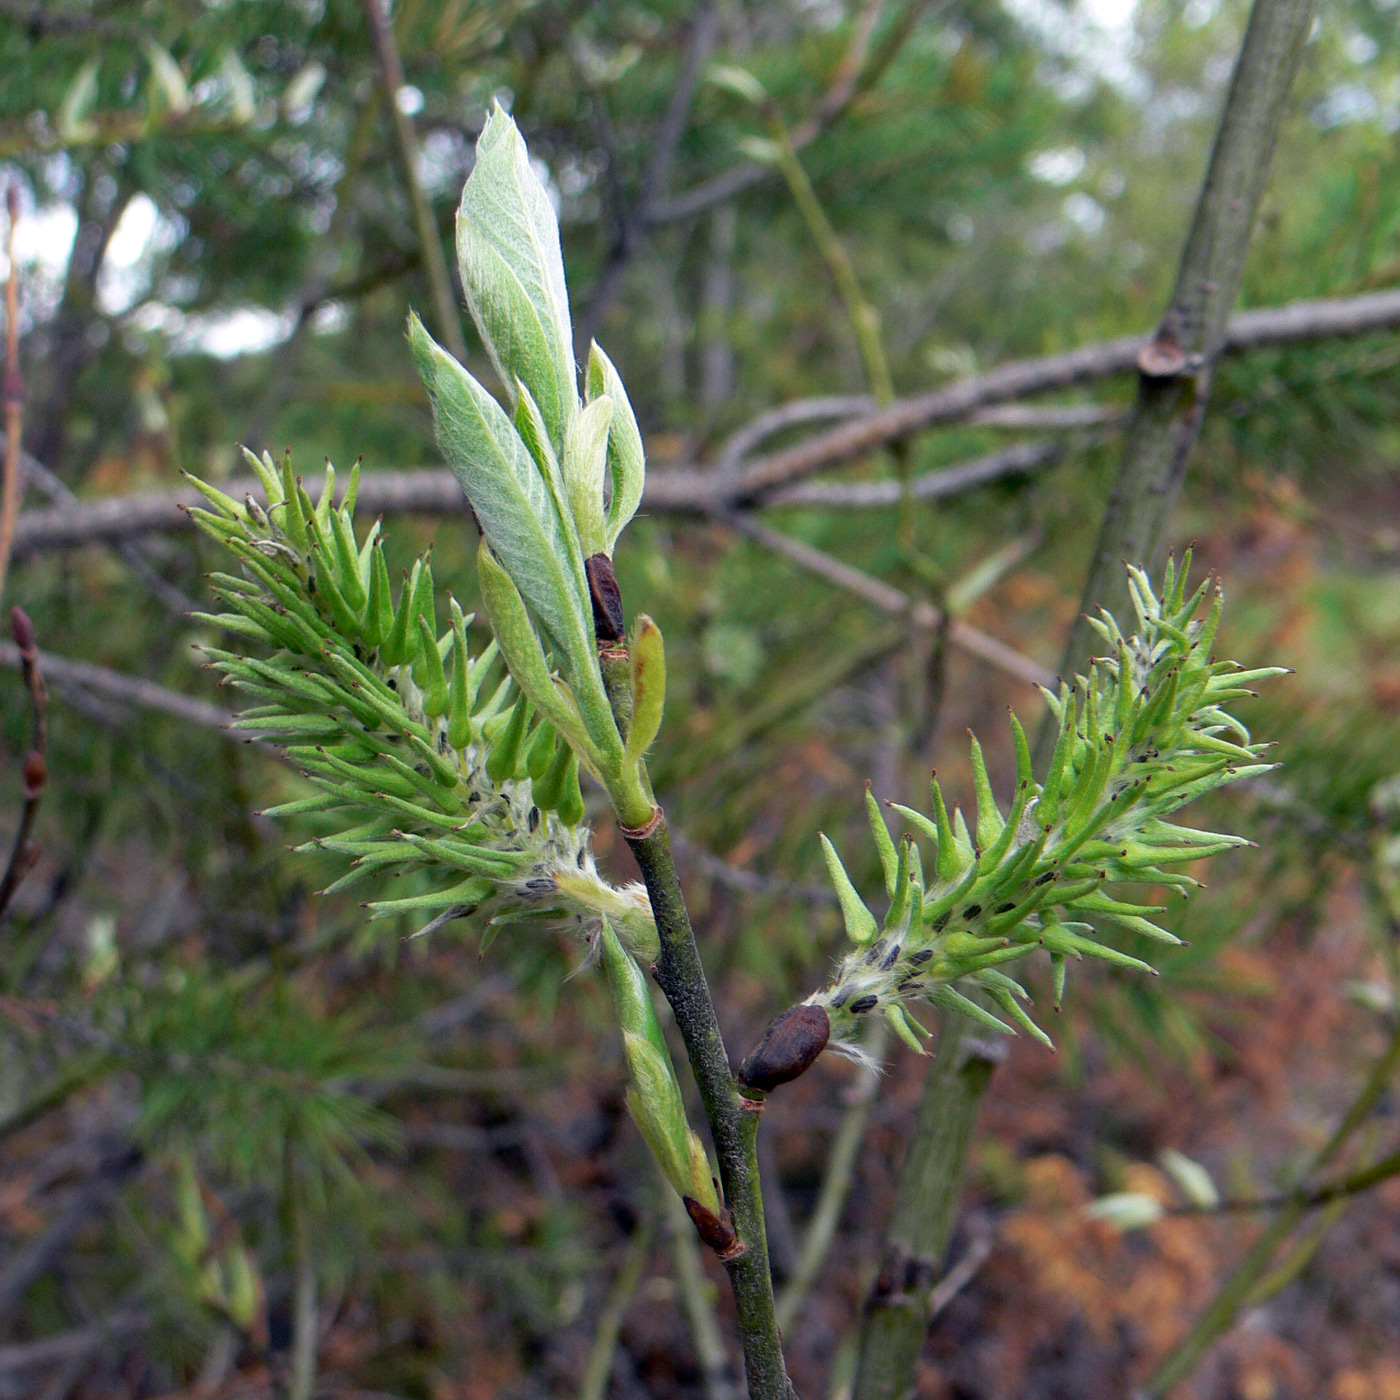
36 774
789 1047
21 629
609 625
716 1230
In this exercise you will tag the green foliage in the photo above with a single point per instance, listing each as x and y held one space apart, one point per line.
1145 732
425 766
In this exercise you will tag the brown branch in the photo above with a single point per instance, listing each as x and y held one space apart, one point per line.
692 490
1323 319
25 852
449 323
889 599
84 676
1024 457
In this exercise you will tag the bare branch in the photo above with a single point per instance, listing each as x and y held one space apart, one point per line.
692 490
83 676
1177 366
449 323
13 392
889 599
842 495
24 852
1322 319
58 491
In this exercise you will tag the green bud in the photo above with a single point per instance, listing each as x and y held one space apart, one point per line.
541 751
429 673
860 922
561 775
508 751
401 639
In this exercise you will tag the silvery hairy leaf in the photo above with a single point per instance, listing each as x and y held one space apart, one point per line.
517 511
585 466
626 457
513 273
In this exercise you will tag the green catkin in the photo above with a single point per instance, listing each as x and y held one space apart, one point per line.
1139 735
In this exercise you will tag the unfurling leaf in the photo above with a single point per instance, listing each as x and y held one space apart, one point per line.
513 273
585 466
626 455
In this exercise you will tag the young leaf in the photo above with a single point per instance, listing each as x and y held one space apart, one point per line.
626 455
648 688
513 273
508 494
585 465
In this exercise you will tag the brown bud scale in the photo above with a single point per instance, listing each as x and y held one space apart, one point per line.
609 624
789 1047
36 774
717 1231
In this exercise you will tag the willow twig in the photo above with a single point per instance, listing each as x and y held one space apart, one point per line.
449 323
1175 368
733 1121
926 1201
598 1369
24 852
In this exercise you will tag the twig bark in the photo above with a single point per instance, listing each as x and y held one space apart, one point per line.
66 673
733 1121
689 490
134 552
1176 367
1323 319
930 1182
449 323
24 852
1018 460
